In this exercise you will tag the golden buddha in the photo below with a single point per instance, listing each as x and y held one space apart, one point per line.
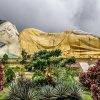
72 43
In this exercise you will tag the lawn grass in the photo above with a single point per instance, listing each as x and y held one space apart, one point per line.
3 94
87 95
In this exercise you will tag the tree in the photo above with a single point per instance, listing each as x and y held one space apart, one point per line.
24 56
4 60
42 59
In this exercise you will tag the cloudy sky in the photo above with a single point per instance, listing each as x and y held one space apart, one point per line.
53 15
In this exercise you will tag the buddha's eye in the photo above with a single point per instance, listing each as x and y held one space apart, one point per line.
9 28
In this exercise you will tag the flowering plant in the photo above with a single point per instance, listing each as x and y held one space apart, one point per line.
91 80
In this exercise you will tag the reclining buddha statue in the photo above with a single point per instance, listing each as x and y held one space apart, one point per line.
9 42
72 42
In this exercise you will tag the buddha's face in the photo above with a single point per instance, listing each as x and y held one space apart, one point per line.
8 32
12 32
9 39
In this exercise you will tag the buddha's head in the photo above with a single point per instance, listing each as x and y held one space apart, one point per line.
9 42
8 32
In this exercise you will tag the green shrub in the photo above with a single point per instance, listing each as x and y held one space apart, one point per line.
18 69
4 60
40 79
25 56
64 90
39 61
63 63
71 60
38 76
9 74
64 72
43 59
21 89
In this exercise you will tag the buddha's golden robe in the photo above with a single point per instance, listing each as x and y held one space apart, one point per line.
72 43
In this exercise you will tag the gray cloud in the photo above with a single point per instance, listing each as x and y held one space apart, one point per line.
52 15
88 17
